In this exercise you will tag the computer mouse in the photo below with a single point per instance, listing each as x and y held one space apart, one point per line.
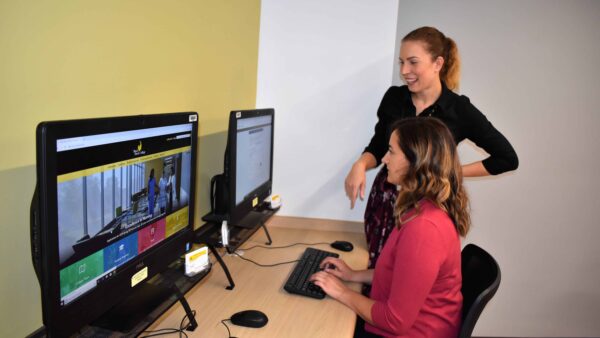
342 245
250 318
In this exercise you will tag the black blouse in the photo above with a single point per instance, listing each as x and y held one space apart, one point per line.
460 116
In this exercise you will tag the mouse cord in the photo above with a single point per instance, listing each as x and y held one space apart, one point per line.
282 247
264 265
227 327
162 332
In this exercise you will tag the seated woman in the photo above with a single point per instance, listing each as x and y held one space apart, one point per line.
416 282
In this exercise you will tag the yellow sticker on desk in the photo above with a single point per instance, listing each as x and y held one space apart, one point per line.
139 276
255 202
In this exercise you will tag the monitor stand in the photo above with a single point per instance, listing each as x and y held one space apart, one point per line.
125 316
135 309
214 218
251 220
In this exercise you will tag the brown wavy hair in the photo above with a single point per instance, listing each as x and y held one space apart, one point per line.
434 171
437 44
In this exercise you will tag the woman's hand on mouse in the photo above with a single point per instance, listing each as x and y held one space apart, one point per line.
338 268
330 284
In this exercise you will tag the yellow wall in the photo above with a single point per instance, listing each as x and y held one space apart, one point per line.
76 59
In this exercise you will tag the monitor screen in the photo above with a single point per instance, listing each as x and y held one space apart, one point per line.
116 199
253 154
250 162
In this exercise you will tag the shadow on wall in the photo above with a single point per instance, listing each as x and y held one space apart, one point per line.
211 150
20 290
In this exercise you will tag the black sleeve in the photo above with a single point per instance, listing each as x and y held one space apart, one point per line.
385 117
502 157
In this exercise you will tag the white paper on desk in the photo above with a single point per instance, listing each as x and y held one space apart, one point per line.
196 261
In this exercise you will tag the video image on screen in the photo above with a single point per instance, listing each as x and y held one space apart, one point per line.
111 213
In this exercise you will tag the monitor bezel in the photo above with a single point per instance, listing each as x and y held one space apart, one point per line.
238 211
64 320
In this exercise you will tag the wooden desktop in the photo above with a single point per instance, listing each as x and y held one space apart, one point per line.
261 288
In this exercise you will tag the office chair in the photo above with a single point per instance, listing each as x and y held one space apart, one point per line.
480 281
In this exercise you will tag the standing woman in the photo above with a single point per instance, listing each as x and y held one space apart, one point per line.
430 67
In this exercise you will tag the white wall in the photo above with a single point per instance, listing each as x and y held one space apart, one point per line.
323 66
530 66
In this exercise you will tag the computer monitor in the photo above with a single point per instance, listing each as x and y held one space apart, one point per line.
249 164
114 206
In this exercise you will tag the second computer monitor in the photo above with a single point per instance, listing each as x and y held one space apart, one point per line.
249 163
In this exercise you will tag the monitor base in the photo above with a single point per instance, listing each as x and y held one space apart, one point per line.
126 315
215 218
251 220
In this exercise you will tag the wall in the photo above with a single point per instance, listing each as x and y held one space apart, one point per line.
72 59
323 66
530 66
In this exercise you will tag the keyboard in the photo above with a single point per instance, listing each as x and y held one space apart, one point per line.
309 263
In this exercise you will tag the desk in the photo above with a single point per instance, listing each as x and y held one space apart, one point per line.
258 288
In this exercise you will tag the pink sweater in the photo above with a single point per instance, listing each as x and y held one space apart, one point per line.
417 279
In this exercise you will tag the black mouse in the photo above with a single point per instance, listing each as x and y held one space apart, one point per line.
342 245
250 318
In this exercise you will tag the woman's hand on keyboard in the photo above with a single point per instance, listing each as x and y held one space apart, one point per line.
338 268
330 284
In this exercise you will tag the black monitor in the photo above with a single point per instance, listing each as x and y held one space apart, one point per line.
249 164
114 206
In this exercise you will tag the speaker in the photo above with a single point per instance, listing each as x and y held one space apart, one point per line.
219 194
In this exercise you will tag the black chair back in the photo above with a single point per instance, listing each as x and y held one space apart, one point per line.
480 281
